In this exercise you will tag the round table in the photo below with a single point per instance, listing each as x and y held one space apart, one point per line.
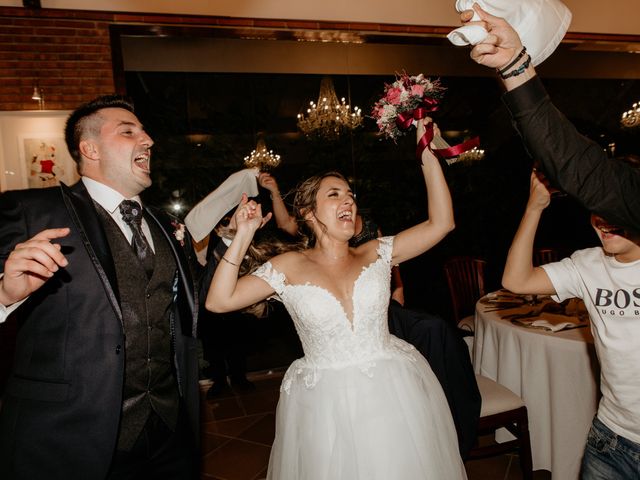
556 374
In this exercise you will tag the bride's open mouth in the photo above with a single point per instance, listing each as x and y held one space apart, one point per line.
345 216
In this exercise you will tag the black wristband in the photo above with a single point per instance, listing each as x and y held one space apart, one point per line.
518 71
501 71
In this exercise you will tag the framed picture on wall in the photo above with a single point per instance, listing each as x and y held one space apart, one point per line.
45 161
33 152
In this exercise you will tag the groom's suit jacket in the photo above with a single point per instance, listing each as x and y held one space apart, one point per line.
61 408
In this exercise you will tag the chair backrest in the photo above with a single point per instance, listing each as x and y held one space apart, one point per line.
465 278
545 255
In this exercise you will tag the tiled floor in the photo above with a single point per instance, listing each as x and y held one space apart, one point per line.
238 429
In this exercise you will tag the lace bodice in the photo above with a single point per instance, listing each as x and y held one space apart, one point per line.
328 338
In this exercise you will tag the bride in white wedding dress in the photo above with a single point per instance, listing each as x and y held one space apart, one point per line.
361 404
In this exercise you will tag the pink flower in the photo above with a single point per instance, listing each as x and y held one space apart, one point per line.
417 90
393 96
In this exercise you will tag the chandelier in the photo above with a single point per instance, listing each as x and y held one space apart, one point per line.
469 156
261 157
631 118
328 118
472 155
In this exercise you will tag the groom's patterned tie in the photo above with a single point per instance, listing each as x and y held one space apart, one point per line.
132 215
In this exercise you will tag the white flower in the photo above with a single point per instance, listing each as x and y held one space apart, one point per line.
388 112
179 232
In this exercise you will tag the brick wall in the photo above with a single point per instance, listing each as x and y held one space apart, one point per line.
67 53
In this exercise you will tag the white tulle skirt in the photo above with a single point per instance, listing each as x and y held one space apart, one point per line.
387 420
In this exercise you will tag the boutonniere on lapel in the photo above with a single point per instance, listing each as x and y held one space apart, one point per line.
178 232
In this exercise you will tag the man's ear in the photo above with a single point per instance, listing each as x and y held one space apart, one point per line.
88 149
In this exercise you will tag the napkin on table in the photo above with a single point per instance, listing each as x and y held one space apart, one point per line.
552 322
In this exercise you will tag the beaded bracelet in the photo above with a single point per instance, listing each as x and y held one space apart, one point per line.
513 62
229 262
518 71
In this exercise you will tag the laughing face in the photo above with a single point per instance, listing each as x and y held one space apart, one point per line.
121 153
335 208
615 240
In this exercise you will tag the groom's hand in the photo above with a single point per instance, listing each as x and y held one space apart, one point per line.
30 264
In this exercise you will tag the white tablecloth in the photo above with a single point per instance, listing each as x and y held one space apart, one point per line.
556 376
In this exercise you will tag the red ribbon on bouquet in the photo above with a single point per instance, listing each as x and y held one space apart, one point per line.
405 120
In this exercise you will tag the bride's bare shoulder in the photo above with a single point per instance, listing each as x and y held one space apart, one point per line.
289 260
368 249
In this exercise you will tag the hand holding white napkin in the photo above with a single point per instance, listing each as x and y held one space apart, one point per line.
541 24
202 218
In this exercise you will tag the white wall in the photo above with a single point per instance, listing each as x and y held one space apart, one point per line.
14 128
589 16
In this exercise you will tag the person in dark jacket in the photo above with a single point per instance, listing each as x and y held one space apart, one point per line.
572 162
105 377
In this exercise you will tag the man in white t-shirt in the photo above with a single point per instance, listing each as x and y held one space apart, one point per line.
607 278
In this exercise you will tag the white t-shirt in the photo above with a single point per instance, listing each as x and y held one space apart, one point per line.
611 292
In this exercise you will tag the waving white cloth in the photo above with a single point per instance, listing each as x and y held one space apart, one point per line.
209 211
541 24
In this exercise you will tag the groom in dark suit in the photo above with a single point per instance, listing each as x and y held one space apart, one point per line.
104 383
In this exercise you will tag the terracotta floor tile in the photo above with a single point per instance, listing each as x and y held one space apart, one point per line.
261 476
237 460
225 408
263 431
233 427
210 442
260 402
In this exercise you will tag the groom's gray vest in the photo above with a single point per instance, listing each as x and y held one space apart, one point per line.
149 382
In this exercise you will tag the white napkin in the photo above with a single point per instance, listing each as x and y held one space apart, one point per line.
203 218
555 322
541 24
553 327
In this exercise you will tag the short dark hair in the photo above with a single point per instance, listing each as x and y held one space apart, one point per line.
76 123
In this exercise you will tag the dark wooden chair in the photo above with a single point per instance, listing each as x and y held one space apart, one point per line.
501 408
465 278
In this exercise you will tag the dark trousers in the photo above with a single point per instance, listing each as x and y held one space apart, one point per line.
159 453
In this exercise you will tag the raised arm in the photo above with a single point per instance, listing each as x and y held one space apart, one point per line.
284 220
227 292
420 238
571 161
500 49
520 276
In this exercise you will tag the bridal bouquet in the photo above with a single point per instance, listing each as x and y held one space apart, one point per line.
412 98
407 99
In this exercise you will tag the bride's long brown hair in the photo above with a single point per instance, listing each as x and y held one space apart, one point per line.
265 245
305 201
